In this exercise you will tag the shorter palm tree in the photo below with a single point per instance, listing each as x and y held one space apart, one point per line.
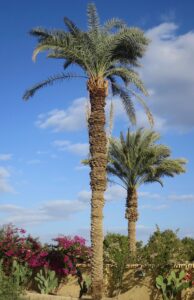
138 159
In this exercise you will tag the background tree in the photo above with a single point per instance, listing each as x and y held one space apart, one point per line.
163 249
104 53
137 160
188 244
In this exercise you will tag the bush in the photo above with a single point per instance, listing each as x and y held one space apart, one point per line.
164 249
15 246
188 244
116 254
46 281
9 287
66 254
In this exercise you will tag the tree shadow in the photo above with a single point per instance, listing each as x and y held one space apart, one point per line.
133 279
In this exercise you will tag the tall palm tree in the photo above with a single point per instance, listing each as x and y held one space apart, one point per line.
104 54
136 160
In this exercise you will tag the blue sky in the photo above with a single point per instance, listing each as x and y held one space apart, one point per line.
43 186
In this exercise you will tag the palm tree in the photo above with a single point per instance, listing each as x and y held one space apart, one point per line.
136 160
104 54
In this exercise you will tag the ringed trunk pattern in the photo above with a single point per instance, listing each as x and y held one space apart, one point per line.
98 89
132 216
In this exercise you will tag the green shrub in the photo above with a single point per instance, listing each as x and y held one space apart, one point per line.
9 288
21 273
46 280
164 249
116 254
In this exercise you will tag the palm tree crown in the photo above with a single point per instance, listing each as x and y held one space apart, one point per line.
110 51
138 159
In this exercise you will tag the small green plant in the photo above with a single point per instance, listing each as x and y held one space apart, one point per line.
9 288
46 281
21 273
116 255
172 285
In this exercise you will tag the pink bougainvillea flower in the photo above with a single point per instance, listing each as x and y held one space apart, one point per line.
9 253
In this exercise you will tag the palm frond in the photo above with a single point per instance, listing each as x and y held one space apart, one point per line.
128 76
93 18
30 92
126 100
114 23
145 107
71 26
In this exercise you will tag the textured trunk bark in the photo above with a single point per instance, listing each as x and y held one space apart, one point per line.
132 217
97 138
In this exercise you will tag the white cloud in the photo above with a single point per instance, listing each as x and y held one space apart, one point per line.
160 124
169 72
5 186
186 197
9 208
115 193
149 195
84 196
61 209
49 211
154 207
71 119
76 148
5 157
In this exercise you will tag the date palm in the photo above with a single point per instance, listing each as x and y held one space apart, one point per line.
138 159
104 54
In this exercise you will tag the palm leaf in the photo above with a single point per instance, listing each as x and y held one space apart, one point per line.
59 77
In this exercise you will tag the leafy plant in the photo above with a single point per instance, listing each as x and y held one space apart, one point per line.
21 273
9 288
116 254
163 250
172 285
46 281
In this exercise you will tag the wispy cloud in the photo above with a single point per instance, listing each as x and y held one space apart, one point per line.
5 156
76 148
185 197
154 207
5 186
50 211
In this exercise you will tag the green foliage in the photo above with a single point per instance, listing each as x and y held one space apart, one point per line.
116 254
46 281
163 249
9 287
172 285
188 244
137 159
21 273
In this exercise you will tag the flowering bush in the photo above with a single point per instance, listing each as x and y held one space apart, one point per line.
15 246
64 256
61 257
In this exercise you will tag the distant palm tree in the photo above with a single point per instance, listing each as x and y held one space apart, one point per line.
104 53
136 160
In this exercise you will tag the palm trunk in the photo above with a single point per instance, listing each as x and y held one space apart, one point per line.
98 162
132 217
